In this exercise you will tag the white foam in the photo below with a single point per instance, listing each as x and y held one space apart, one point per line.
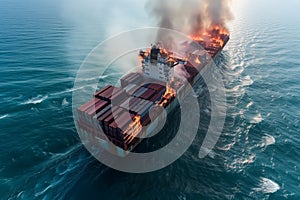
66 91
36 100
234 89
247 81
257 119
249 104
95 78
20 193
267 186
243 161
268 140
43 191
65 102
3 116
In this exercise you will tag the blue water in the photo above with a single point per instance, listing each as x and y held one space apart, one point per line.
42 44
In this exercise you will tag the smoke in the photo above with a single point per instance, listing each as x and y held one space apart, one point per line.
218 11
181 73
189 16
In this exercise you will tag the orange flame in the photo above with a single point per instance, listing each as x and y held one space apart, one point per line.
134 129
170 93
212 36
169 90
197 60
146 54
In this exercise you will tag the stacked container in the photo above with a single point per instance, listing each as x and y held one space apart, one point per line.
131 78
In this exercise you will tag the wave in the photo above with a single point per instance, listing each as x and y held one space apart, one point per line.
267 140
69 90
64 102
267 186
247 81
95 78
244 161
249 104
3 116
36 100
256 119
40 98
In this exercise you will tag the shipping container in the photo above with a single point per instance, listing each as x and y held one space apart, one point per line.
137 79
124 120
133 90
129 87
102 90
139 92
132 78
124 79
156 87
148 94
113 95
113 115
82 111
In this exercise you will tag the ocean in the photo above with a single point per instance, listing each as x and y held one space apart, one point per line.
42 45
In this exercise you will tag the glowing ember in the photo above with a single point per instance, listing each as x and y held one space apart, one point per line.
197 60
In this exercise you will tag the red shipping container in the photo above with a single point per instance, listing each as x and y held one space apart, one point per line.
102 90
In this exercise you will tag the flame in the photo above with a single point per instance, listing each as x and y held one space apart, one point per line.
221 29
170 93
197 60
197 38
146 54
163 52
212 36
133 129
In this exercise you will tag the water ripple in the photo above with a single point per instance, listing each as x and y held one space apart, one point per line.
267 186
3 116
35 100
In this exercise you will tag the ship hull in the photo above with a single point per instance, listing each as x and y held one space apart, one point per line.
105 141
152 127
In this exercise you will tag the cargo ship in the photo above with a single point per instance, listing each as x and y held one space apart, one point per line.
118 118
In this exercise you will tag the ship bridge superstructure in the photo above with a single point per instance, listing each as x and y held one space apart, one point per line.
158 63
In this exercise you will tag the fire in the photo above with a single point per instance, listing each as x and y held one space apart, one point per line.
213 36
164 53
169 90
144 54
197 38
134 129
197 60
221 29
170 93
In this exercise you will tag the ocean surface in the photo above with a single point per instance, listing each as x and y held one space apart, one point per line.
42 45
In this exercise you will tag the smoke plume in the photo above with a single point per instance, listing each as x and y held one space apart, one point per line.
189 16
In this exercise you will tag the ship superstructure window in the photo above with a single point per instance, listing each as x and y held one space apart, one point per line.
158 63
